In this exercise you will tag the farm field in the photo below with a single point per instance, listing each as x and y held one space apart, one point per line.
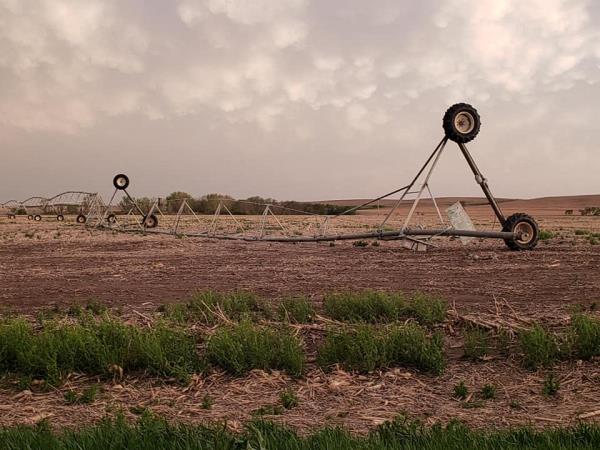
65 275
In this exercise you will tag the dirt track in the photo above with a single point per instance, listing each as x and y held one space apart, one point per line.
50 269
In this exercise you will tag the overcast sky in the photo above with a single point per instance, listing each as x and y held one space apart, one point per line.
296 99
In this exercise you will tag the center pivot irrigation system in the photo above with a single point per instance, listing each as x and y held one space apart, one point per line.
461 124
83 204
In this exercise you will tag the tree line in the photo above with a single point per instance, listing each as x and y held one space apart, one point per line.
208 204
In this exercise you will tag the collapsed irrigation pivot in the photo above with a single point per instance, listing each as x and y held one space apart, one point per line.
461 124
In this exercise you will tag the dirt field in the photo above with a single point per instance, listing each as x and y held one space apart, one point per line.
47 265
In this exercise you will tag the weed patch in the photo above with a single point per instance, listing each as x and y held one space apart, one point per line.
210 308
368 348
382 307
476 343
240 348
539 347
93 347
296 310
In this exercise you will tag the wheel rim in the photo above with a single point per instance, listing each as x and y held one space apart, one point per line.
525 232
150 222
121 182
464 122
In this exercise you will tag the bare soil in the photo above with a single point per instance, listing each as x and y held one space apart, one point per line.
49 264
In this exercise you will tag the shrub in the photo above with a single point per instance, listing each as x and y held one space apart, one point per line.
296 310
368 348
360 243
240 348
545 235
539 347
382 307
476 342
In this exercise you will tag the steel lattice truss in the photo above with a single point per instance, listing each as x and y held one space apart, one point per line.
278 223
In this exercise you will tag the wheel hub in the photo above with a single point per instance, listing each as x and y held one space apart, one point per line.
524 232
464 122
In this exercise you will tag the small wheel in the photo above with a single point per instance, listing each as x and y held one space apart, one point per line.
111 218
37 218
29 217
12 216
461 123
527 231
150 221
81 218
121 182
60 218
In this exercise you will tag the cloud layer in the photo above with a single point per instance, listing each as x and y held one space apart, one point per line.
309 85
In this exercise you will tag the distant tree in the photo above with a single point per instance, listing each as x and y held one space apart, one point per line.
174 200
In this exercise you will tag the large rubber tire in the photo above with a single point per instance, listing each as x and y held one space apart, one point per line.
121 182
81 218
461 123
60 218
37 218
150 221
530 232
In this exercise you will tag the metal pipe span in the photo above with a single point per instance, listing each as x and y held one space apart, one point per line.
345 237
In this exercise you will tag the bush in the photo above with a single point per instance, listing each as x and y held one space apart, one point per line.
539 347
476 342
368 348
93 347
296 310
382 307
288 399
240 348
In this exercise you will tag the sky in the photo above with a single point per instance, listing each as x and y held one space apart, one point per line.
296 99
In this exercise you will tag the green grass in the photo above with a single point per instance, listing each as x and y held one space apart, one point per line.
368 348
461 391
296 310
476 342
93 347
545 235
581 232
210 307
584 336
539 347
240 348
383 307
488 392
400 434
288 399
551 385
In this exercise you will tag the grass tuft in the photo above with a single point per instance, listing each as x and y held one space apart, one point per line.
210 308
93 347
240 348
382 307
368 348
584 336
540 348
296 310
461 391
551 385
476 343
